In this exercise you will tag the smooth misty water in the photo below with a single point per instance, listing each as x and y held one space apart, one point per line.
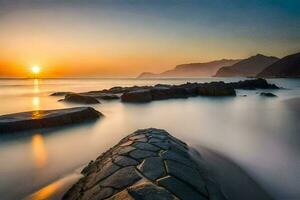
260 134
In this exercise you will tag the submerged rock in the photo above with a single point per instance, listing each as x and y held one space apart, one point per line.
154 173
139 96
78 98
46 118
267 94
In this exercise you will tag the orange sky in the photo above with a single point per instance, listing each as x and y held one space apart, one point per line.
98 41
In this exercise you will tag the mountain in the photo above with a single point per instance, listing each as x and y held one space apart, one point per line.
247 68
192 69
288 66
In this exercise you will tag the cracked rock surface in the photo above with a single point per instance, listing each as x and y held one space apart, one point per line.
149 164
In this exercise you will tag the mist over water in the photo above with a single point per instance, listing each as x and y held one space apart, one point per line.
260 134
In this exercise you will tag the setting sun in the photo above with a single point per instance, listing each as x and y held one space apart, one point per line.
36 69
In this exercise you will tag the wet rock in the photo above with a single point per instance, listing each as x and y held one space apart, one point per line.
145 146
159 168
150 191
46 118
180 189
82 99
153 168
125 161
267 94
124 195
122 178
140 154
138 96
187 174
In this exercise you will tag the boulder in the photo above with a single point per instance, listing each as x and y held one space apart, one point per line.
101 95
160 93
46 118
170 174
267 94
216 89
82 99
138 96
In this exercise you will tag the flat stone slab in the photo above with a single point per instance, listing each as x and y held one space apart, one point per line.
46 118
139 167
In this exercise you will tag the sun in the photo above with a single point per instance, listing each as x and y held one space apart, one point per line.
35 69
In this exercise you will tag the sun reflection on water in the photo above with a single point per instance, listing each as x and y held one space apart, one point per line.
39 150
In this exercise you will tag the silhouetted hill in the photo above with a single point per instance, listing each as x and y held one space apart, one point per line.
288 66
248 67
192 70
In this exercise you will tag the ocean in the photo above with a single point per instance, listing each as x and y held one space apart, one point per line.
260 135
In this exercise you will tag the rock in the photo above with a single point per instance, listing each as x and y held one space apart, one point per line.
140 154
216 89
124 195
78 98
101 95
253 84
145 146
122 178
187 174
125 161
180 189
59 94
153 168
161 92
150 191
138 96
267 94
46 118
146 171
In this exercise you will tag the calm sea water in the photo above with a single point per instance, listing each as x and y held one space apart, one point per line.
261 135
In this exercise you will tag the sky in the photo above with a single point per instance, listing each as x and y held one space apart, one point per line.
122 38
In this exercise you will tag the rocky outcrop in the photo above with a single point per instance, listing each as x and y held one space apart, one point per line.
46 118
206 69
253 84
213 89
79 98
144 94
287 67
249 67
149 164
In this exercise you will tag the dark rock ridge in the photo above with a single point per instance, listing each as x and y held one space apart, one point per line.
249 67
217 89
267 94
287 67
91 97
149 164
163 91
192 69
46 118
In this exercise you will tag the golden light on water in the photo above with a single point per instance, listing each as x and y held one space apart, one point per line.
39 150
